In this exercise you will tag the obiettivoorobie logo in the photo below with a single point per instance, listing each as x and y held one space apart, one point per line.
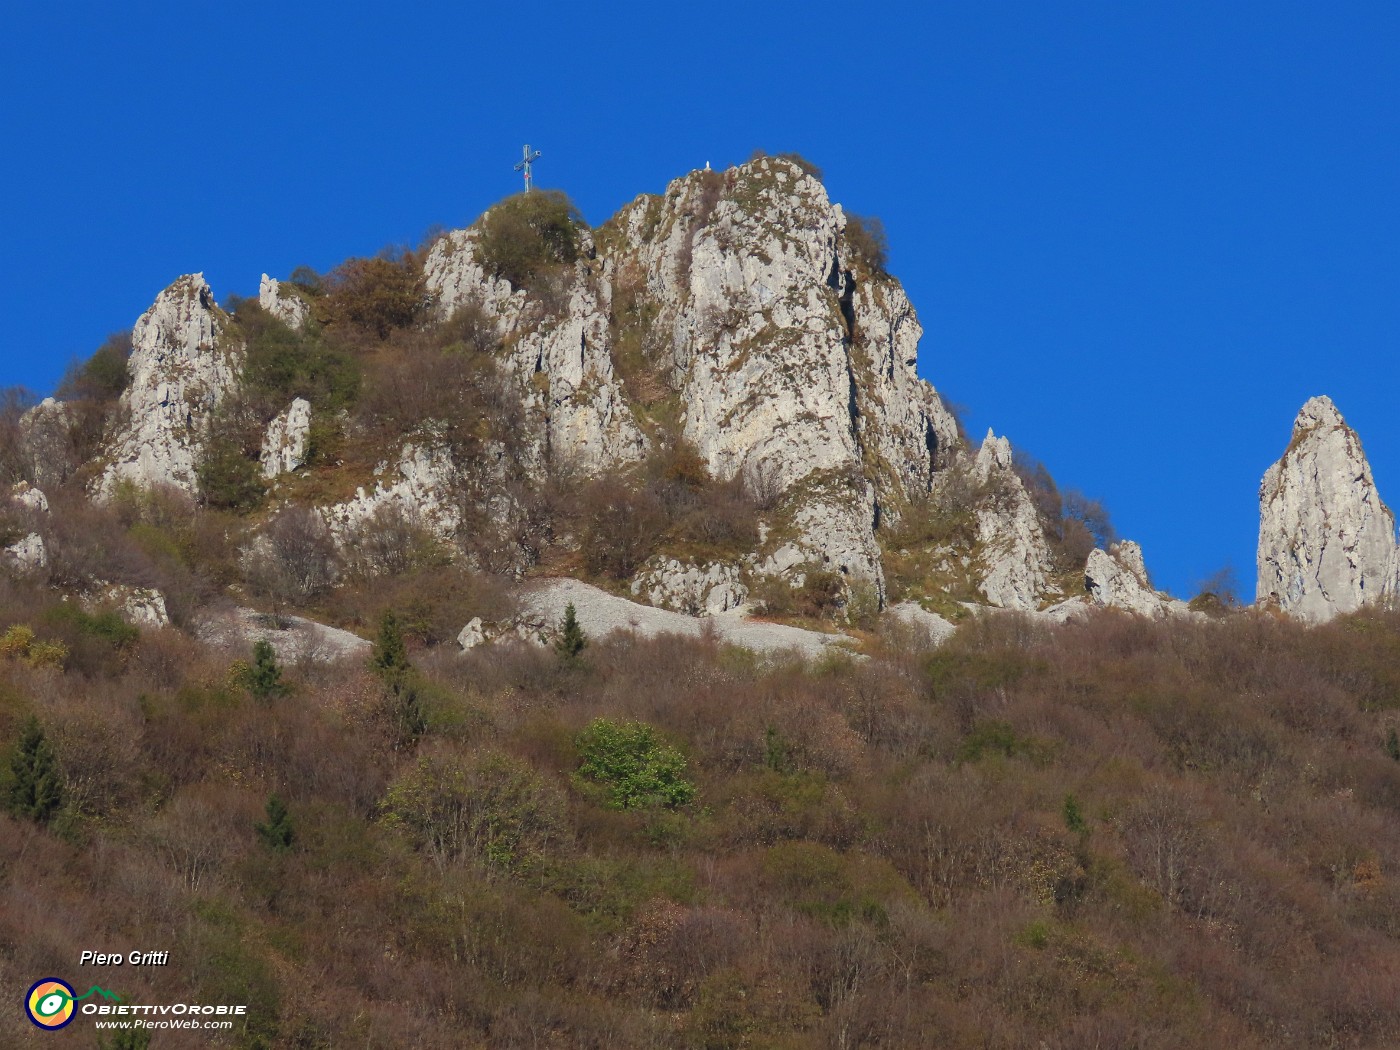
49 1002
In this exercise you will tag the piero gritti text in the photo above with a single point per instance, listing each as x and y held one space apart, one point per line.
118 959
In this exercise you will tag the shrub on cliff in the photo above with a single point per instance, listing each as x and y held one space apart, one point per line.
526 236
376 295
868 242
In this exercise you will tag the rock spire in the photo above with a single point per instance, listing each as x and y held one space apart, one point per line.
1326 540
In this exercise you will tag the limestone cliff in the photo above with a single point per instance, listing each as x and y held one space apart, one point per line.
740 312
737 300
560 354
180 370
1326 540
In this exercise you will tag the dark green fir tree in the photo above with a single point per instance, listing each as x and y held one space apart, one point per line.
36 786
571 641
278 833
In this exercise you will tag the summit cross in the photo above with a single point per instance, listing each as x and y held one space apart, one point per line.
524 165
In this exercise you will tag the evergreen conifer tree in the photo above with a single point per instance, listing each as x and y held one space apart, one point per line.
390 661
36 787
390 657
572 640
265 677
278 833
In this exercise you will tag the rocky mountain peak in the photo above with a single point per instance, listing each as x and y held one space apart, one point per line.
740 320
1326 540
735 305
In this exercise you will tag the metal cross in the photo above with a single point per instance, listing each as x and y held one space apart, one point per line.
530 157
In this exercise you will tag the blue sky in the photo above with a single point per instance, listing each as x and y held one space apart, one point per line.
1138 235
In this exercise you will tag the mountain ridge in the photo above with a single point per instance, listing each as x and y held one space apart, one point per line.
740 317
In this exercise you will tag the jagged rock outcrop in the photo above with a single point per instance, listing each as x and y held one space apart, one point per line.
1015 557
699 590
794 358
473 634
790 358
30 498
420 488
741 312
27 554
1326 540
560 355
181 368
288 307
1117 578
45 442
284 446
142 606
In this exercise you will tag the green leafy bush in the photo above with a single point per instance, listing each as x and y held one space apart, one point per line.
527 235
630 762
105 626
228 468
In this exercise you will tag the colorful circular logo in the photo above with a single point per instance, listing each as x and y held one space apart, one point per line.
49 1003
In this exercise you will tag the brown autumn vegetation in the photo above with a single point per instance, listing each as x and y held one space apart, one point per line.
1110 834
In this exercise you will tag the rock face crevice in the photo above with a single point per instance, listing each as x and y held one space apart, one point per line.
181 368
1326 540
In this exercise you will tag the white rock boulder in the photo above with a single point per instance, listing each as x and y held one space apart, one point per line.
697 590
27 554
30 498
932 628
473 634
142 606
